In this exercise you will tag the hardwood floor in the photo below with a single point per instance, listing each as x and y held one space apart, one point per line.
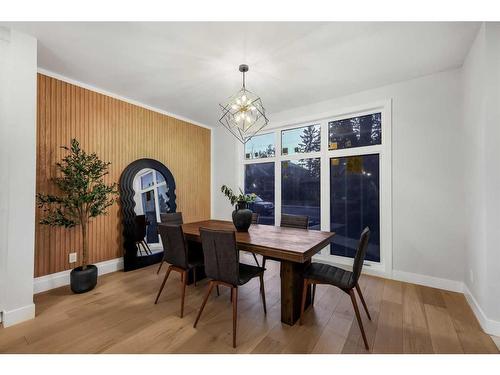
120 316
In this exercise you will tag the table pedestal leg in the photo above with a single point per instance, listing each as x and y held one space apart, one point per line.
291 290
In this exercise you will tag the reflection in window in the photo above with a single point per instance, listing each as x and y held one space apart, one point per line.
260 146
300 140
355 132
147 180
162 197
259 179
300 189
354 204
151 198
149 209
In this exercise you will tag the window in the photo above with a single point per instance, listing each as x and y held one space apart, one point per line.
355 132
259 179
151 199
337 171
355 204
260 146
300 189
301 140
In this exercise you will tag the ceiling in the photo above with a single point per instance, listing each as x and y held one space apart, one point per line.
188 68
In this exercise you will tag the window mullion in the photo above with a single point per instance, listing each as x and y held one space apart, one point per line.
277 180
325 181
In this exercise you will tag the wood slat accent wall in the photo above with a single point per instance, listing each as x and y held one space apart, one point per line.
118 132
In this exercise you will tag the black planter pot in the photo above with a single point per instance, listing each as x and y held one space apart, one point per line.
83 280
242 217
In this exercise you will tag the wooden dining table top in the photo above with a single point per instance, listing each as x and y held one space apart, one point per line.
292 244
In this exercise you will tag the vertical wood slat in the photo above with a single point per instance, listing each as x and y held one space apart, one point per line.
118 132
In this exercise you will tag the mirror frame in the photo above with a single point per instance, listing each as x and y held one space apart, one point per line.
130 259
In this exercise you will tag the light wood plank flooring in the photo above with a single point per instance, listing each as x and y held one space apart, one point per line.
119 316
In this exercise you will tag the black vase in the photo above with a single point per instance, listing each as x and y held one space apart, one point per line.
242 217
83 280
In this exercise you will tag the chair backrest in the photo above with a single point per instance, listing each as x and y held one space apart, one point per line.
359 258
140 227
174 244
294 221
172 218
255 218
221 255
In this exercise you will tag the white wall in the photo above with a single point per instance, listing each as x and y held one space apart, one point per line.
427 146
18 69
481 103
224 169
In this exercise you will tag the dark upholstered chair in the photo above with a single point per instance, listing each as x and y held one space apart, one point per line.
140 233
320 273
174 218
178 256
290 221
223 267
255 218
294 221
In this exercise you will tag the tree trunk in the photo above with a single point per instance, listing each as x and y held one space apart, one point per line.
85 246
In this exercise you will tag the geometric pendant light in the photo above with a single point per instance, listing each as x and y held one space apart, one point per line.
243 113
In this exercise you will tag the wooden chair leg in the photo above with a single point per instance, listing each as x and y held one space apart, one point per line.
143 248
231 297
210 287
304 296
163 284
139 247
184 282
363 301
358 317
313 294
235 312
159 268
256 261
263 292
147 248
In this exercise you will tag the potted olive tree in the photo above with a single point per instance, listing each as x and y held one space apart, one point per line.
242 216
83 195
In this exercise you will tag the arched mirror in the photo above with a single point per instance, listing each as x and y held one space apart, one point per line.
147 190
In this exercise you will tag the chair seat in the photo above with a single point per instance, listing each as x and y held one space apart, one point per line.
195 259
328 274
248 272
195 264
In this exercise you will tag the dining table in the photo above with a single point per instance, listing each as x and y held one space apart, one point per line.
292 247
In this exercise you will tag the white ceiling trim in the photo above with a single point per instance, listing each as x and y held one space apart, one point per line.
119 97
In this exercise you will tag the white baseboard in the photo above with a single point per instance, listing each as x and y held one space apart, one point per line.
56 280
430 281
491 327
11 317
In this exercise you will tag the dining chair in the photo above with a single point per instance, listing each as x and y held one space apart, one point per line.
174 218
141 224
223 267
255 220
178 256
320 273
289 221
